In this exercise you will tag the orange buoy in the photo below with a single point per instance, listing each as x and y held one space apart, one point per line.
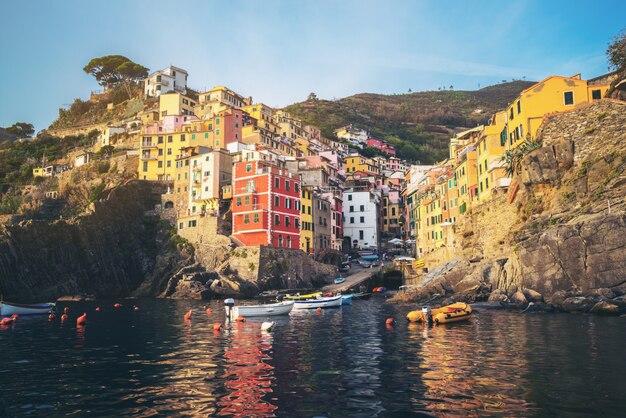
51 316
63 317
217 326
6 321
135 308
209 310
389 321
98 309
188 315
241 319
81 320
117 305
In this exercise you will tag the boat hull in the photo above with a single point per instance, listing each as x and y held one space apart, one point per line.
452 313
8 309
270 309
303 297
327 302
346 300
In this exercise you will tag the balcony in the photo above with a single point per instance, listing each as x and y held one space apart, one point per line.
148 145
148 157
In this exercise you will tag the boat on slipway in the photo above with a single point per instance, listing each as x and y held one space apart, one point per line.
10 308
269 309
319 302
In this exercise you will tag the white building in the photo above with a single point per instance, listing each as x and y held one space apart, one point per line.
351 134
105 136
169 79
360 211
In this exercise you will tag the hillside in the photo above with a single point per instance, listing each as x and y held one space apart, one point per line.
419 124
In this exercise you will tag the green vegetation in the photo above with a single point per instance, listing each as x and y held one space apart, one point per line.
419 125
17 159
513 158
616 52
21 129
116 70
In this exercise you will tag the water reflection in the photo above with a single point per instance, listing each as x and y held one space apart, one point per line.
247 372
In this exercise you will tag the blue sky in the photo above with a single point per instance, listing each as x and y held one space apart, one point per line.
279 51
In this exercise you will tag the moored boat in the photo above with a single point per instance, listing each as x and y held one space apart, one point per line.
320 302
298 296
451 313
340 280
10 308
346 299
270 309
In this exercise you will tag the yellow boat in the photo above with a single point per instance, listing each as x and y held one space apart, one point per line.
298 296
452 313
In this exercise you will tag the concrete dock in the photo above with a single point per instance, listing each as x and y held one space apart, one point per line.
352 280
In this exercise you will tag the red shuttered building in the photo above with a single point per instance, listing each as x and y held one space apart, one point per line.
265 205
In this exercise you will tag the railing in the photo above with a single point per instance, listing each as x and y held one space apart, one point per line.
149 157
148 145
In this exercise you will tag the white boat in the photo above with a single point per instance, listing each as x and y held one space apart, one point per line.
280 308
346 299
320 302
9 308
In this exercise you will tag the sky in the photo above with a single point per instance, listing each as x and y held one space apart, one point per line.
278 51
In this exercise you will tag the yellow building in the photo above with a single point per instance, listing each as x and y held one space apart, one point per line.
356 162
158 152
306 219
554 94
173 103
39 172
490 148
217 100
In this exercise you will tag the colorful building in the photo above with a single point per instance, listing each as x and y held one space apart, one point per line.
490 148
361 211
175 103
307 244
166 80
266 205
554 94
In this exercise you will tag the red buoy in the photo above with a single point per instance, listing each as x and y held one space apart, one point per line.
63 317
6 321
209 310
217 326
188 315
98 309
117 305
389 321
319 310
81 320
241 319
51 316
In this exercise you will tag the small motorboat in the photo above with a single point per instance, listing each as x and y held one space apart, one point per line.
10 308
270 309
319 302
340 280
346 299
298 296
358 295
451 313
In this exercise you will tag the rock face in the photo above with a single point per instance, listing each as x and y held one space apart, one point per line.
564 236
108 253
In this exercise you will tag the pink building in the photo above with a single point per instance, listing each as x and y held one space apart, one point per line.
381 145
169 124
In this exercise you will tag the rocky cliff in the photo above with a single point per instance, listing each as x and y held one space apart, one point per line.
107 253
563 236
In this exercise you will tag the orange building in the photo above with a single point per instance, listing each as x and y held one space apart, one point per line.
265 205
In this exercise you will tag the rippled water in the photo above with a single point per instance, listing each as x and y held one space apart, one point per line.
342 362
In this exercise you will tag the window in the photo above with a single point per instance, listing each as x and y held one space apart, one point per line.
248 168
287 185
160 151
519 107
170 138
277 219
182 137
277 183
511 116
180 225
193 136
288 203
160 140
568 98
351 219
217 121
362 219
596 94
349 197
169 164
246 219
360 234
160 164
247 200
351 208
362 208
296 187
277 201
145 166
287 221
169 151
238 201
296 223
